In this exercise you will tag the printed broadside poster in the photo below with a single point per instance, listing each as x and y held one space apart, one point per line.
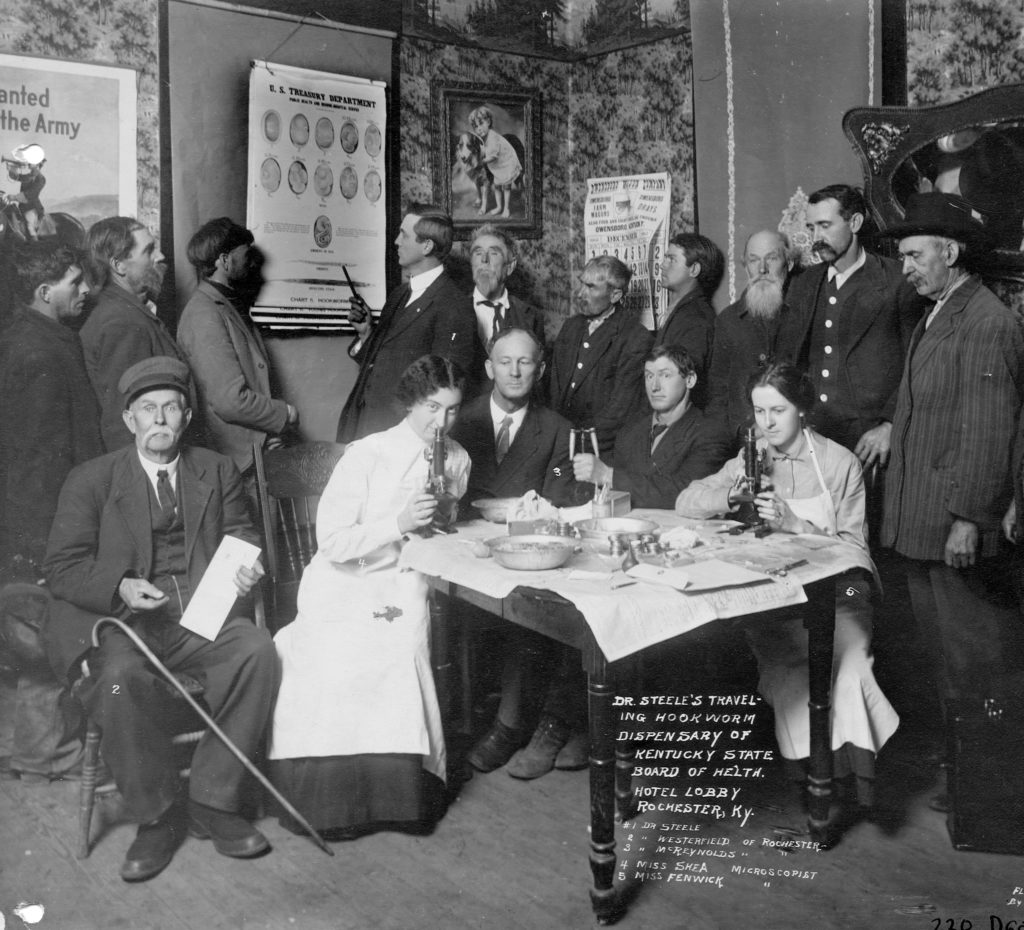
83 117
316 193
628 217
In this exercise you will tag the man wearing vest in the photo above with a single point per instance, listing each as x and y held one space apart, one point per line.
857 313
134 532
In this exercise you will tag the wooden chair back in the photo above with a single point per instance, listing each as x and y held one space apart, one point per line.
289 483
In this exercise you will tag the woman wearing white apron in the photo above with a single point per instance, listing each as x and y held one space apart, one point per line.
817 487
357 719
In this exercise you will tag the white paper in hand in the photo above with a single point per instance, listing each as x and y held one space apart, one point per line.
216 593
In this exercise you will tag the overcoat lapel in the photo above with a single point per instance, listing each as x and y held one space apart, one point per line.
131 490
195 494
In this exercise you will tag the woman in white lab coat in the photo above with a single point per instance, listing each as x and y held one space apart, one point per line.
357 722
816 487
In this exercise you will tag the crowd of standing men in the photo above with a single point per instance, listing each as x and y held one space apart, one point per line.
918 369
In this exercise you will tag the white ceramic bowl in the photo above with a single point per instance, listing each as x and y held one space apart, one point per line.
531 553
603 527
495 509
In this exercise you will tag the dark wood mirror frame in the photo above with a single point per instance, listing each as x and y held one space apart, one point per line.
886 138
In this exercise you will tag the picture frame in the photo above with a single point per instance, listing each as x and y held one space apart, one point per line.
492 174
981 138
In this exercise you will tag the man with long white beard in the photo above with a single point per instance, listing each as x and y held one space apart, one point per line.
758 328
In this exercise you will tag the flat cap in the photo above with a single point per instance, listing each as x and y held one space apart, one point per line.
160 371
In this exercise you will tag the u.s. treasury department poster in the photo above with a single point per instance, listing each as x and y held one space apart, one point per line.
316 188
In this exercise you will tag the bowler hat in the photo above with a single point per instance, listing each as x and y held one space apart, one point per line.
160 371
939 214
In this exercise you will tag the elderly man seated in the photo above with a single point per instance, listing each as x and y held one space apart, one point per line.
134 532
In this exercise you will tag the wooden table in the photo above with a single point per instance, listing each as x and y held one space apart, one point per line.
611 764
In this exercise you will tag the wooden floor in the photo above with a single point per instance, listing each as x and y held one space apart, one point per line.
512 854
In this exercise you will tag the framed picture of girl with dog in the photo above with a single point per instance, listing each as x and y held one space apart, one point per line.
487 156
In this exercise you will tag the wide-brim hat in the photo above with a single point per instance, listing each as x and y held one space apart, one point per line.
937 214
159 371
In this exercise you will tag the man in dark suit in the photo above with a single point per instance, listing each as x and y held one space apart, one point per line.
122 328
758 328
690 272
492 258
856 313
949 479
134 533
531 452
426 316
596 372
660 454
516 446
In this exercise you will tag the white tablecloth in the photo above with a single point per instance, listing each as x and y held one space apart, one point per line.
629 618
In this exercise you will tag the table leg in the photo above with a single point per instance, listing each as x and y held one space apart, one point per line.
602 714
820 621
442 653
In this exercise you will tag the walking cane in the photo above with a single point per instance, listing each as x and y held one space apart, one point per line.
238 754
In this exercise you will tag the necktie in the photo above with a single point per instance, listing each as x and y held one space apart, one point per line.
496 322
165 493
501 443
656 431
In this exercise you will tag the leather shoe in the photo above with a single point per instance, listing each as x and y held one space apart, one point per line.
232 834
154 846
496 748
575 754
538 757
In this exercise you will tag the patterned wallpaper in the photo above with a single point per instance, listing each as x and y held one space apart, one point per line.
627 112
544 274
631 112
956 48
120 32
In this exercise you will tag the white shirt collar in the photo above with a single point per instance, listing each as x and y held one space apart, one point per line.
418 283
151 468
939 304
841 277
497 415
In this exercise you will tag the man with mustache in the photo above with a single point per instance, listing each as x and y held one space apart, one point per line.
758 328
123 327
134 533
857 313
492 257
951 475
